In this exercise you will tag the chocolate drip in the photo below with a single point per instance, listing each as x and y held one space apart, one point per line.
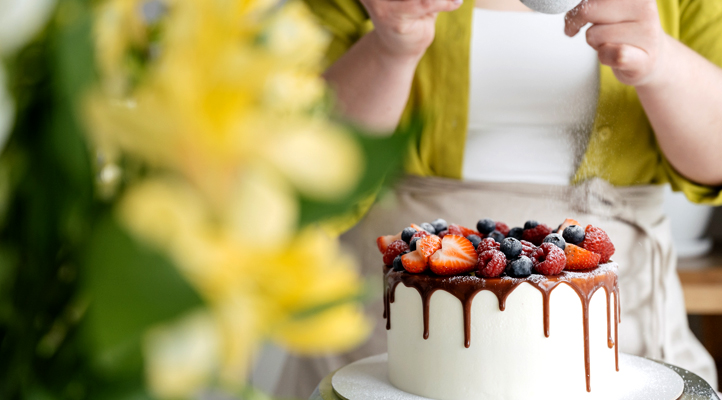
465 289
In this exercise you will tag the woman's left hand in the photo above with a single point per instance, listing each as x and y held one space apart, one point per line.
627 35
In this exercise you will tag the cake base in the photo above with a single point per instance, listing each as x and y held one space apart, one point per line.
638 379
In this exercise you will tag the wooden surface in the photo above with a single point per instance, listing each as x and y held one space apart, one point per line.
702 283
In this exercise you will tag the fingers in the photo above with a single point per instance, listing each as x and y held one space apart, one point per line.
608 12
409 9
630 63
644 36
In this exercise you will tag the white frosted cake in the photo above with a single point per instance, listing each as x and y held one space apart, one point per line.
551 334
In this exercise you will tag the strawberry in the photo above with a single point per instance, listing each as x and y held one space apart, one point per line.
417 227
579 258
549 259
527 248
567 222
414 262
503 228
488 244
383 242
491 264
395 248
462 231
456 256
537 234
428 245
597 241
420 234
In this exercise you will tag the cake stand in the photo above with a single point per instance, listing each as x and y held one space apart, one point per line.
369 374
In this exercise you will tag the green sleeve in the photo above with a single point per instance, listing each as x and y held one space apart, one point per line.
346 21
701 30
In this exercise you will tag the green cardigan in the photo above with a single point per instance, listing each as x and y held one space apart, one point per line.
622 147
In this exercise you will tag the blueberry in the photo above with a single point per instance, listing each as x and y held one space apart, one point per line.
573 234
519 267
428 228
530 224
485 226
516 233
556 239
440 225
475 240
398 266
407 233
511 247
496 235
412 244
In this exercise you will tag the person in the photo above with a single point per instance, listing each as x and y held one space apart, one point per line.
530 116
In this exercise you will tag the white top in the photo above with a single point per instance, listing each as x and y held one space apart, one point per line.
532 101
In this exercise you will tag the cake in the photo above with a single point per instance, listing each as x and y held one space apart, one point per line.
494 313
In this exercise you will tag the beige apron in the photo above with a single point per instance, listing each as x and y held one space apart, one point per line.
654 322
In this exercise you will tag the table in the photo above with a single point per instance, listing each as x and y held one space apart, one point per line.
695 388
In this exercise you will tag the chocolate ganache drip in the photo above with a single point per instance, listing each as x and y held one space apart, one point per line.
464 288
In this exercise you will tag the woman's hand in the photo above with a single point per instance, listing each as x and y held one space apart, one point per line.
627 35
405 28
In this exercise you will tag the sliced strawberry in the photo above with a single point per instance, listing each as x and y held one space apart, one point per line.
383 242
567 222
428 245
418 228
414 262
537 234
503 228
597 241
462 231
395 248
579 258
456 256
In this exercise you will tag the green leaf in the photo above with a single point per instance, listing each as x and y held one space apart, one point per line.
131 288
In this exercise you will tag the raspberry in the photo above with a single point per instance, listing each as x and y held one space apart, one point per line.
461 230
443 233
537 233
488 244
420 234
395 248
503 228
491 264
527 248
548 259
597 241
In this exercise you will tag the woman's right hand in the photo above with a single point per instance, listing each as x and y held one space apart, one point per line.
405 28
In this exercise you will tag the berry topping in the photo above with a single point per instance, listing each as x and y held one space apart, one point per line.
527 248
383 242
412 245
461 231
503 228
496 235
398 266
487 244
475 240
428 245
420 234
395 248
597 241
573 234
567 222
414 262
530 224
428 228
519 267
548 259
511 248
580 259
440 225
516 233
537 233
556 239
443 233
407 233
456 256
491 264
485 226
